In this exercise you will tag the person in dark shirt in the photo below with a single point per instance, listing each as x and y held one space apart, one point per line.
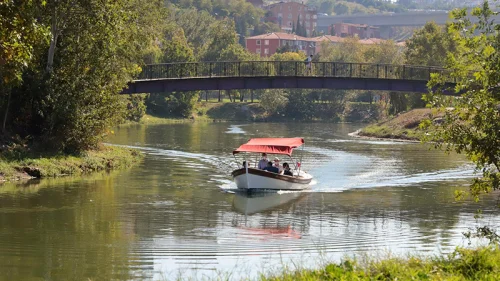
286 170
271 169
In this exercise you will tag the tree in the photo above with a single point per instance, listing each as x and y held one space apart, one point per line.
299 105
288 56
472 127
236 52
178 104
19 32
274 101
429 46
176 48
298 27
221 36
68 96
341 9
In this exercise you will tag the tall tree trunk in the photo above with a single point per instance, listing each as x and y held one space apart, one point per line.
229 94
251 96
6 113
54 34
219 95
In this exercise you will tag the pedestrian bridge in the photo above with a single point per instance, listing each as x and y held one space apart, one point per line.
194 76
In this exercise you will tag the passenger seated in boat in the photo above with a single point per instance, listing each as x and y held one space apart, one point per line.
271 169
286 169
244 164
263 162
277 165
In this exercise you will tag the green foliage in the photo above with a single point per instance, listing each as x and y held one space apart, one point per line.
177 49
472 127
462 264
244 14
68 98
299 105
178 104
19 32
429 46
274 101
288 56
42 166
136 108
220 37
404 126
341 9
236 52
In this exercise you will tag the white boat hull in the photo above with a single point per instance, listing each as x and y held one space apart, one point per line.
258 179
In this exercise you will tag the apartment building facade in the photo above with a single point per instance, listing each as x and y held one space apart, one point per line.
266 45
287 14
362 31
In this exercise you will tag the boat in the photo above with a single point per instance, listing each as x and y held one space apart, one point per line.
252 178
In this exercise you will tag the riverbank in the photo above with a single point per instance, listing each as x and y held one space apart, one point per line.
405 126
254 112
29 165
462 264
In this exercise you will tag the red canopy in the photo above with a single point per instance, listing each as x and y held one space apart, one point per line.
271 145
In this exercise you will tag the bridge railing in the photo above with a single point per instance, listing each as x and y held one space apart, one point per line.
285 68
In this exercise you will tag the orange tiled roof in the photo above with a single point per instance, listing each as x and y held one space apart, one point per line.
279 35
330 38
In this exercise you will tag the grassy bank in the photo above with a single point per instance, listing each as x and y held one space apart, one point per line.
254 112
462 264
15 166
404 126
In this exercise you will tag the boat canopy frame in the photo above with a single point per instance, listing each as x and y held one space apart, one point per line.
280 146
284 146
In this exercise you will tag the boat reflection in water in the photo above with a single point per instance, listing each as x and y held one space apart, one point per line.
263 202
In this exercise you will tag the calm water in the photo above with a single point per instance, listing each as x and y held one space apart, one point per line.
176 214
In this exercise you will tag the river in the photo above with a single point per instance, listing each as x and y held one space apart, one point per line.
177 213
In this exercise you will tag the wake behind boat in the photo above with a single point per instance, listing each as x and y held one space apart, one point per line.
256 177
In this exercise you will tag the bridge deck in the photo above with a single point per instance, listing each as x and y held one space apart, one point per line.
280 74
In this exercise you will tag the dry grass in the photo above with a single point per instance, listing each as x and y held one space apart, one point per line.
404 126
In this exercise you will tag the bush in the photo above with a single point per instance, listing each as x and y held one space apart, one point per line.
136 108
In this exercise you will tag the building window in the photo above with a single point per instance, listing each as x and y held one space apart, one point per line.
308 16
300 8
289 8
257 51
266 51
280 15
289 16
266 42
258 42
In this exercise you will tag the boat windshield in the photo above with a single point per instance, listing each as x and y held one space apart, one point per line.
271 145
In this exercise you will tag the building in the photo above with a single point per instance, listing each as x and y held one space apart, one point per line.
363 31
266 45
286 15
328 38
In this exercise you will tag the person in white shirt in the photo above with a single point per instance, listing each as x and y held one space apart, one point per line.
277 164
263 162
